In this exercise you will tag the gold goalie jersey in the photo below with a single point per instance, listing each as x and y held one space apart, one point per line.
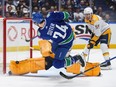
97 25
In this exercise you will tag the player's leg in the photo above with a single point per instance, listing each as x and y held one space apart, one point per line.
86 51
61 60
104 43
105 53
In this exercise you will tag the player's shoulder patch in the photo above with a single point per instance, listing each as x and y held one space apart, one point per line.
97 26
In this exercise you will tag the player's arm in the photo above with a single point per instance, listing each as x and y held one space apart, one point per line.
96 35
58 16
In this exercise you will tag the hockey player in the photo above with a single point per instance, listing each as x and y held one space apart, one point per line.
55 47
100 33
60 35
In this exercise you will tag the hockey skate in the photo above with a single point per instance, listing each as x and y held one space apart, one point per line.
81 60
106 66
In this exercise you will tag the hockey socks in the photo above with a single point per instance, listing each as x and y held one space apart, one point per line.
77 58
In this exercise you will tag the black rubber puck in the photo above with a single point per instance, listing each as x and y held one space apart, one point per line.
10 73
17 62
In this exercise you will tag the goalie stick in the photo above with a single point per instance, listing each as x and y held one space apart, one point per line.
71 77
28 40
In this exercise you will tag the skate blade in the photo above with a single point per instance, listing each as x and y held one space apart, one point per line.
106 68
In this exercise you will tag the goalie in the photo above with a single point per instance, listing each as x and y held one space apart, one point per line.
60 37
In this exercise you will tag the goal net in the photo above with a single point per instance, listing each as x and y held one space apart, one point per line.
13 46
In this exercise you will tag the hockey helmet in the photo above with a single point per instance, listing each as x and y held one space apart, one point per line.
37 18
88 10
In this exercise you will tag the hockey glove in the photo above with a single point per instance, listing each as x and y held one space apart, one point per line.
90 46
92 42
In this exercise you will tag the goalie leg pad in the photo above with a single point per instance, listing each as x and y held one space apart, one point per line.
26 66
75 69
94 72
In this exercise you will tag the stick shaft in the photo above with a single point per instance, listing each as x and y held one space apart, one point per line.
28 40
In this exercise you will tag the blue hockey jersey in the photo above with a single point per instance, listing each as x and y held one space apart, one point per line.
56 29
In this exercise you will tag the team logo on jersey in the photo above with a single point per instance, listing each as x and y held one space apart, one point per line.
97 26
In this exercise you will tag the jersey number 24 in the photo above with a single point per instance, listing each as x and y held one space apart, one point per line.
63 28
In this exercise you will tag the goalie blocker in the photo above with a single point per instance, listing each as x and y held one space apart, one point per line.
44 63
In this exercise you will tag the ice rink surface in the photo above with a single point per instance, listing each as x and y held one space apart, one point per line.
51 78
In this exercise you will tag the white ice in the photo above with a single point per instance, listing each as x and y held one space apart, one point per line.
51 78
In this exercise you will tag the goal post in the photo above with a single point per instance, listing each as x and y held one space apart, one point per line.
15 30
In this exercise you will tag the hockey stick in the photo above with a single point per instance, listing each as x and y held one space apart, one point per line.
71 77
88 55
34 49
28 40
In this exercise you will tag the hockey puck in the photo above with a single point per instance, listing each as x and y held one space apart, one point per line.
17 62
10 73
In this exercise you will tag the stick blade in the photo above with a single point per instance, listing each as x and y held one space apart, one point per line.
65 76
27 40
